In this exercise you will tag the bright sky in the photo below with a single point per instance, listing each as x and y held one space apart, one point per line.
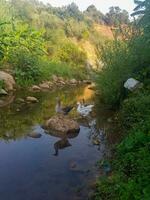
102 5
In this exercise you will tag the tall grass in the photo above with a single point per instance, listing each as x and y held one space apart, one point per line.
48 69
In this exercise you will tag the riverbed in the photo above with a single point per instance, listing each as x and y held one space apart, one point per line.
49 167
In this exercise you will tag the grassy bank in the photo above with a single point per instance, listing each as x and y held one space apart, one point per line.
123 59
130 178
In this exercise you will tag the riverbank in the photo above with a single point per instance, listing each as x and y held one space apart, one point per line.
128 177
9 87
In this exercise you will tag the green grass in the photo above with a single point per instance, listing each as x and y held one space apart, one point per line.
130 178
61 69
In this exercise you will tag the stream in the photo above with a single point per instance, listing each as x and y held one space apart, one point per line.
30 168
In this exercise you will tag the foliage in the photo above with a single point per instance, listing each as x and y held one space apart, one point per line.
76 29
60 69
131 178
25 67
116 16
30 30
68 52
135 109
118 67
95 15
70 11
143 9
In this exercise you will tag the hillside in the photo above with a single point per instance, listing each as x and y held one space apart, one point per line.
104 30
39 40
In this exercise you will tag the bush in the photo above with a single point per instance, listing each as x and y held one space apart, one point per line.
131 177
25 67
119 64
68 52
135 109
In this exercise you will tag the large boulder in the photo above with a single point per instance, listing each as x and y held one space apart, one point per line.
8 79
62 125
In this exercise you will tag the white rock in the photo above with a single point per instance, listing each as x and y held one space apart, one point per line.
131 84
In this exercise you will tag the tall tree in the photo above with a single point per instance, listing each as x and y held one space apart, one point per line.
116 16
143 10
95 14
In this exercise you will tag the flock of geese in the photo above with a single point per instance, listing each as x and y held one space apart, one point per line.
82 108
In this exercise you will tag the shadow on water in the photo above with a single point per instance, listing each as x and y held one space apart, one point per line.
51 167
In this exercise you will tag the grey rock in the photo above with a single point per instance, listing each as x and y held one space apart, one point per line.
34 135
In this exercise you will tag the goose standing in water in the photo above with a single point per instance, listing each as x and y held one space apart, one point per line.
62 110
84 110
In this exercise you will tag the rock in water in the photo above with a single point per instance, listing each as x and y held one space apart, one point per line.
8 79
62 124
34 135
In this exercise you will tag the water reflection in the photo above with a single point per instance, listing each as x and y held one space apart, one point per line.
61 144
28 168
17 119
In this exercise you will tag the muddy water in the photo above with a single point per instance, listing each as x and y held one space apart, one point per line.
47 168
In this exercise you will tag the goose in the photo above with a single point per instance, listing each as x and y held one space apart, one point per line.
62 110
84 110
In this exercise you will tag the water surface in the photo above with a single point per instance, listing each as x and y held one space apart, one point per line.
48 168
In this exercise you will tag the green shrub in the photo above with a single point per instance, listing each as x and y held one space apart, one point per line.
70 53
135 109
25 67
118 67
131 177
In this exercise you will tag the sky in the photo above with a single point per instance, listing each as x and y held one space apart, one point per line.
102 5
